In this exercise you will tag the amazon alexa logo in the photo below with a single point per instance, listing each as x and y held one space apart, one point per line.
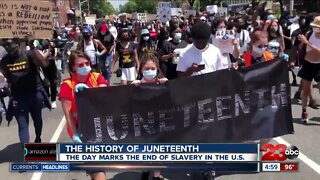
25 151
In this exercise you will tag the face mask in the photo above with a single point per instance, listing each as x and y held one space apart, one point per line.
178 36
86 36
130 27
146 38
257 50
249 22
149 27
316 30
274 30
109 25
149 74
83 71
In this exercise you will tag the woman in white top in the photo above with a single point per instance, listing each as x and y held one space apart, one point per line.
311 68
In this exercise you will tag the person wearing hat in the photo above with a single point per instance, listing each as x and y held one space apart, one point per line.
311 68
145 42
93 48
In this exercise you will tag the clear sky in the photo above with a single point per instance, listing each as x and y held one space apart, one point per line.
116 3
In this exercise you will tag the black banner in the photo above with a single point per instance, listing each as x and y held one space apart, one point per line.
224 106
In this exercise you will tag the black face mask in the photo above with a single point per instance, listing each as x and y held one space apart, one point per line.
86 36
11 49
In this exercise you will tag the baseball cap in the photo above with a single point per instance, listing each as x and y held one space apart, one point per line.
87 29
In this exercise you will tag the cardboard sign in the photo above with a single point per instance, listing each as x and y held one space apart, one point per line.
187 13
20 18
212 9
141 17
222 11
224 40
91 20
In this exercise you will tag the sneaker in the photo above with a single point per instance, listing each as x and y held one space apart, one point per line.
304 118
297 95
37 140
54 105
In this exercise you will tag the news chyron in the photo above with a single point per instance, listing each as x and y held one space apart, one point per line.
279 158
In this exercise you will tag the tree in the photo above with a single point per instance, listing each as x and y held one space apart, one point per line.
129 7
99 7
140 6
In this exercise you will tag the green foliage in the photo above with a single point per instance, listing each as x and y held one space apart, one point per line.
99 7
148 6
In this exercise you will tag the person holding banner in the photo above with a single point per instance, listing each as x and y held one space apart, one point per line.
150 72
81 78
257 49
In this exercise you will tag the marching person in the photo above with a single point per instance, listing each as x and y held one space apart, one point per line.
257 48
20 68
127 55
93 48
149 72
310 69
81 78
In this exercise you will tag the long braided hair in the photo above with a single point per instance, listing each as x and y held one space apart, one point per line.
149 55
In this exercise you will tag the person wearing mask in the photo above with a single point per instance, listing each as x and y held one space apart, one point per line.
219 24
127 55
310 69
249 24
276 38
168 55
102 30
81 78
93 48
145 43
109 43
28 95
201 57
242 35
257 48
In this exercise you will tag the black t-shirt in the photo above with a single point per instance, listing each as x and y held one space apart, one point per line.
108 41
170 46
126 55
296 33
21 73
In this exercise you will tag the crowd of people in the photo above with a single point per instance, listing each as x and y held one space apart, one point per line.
150 52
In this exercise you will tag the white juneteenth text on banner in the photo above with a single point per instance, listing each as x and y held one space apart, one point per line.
160 157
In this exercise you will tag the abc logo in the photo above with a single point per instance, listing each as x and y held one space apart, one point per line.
292 152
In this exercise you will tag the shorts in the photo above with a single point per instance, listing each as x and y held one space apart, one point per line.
129 74
310 71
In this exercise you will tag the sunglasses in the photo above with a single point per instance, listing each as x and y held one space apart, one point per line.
270 47
84 64
262 46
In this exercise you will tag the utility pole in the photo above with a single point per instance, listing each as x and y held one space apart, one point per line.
80 4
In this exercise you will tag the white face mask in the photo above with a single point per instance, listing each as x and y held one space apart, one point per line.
316 30
146 38
258 50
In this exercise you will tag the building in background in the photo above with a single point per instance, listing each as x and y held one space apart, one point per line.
63 12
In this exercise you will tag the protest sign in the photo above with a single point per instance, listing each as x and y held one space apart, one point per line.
224 106
91 20
212 9
20 18
224 40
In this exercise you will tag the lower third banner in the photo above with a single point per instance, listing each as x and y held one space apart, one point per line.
224 106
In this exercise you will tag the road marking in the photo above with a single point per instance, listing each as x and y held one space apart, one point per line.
302 157
54 139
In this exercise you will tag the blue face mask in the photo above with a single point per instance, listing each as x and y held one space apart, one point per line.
83 71
149 74
178 36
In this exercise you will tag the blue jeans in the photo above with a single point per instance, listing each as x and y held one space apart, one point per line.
21 107
105 63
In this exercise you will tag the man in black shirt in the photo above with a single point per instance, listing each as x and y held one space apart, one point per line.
27 93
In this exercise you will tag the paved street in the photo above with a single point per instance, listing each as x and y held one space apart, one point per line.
305 138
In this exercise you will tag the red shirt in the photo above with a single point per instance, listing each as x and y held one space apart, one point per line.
67 93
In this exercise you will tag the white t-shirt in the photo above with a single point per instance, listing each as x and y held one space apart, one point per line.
243 39
210 57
